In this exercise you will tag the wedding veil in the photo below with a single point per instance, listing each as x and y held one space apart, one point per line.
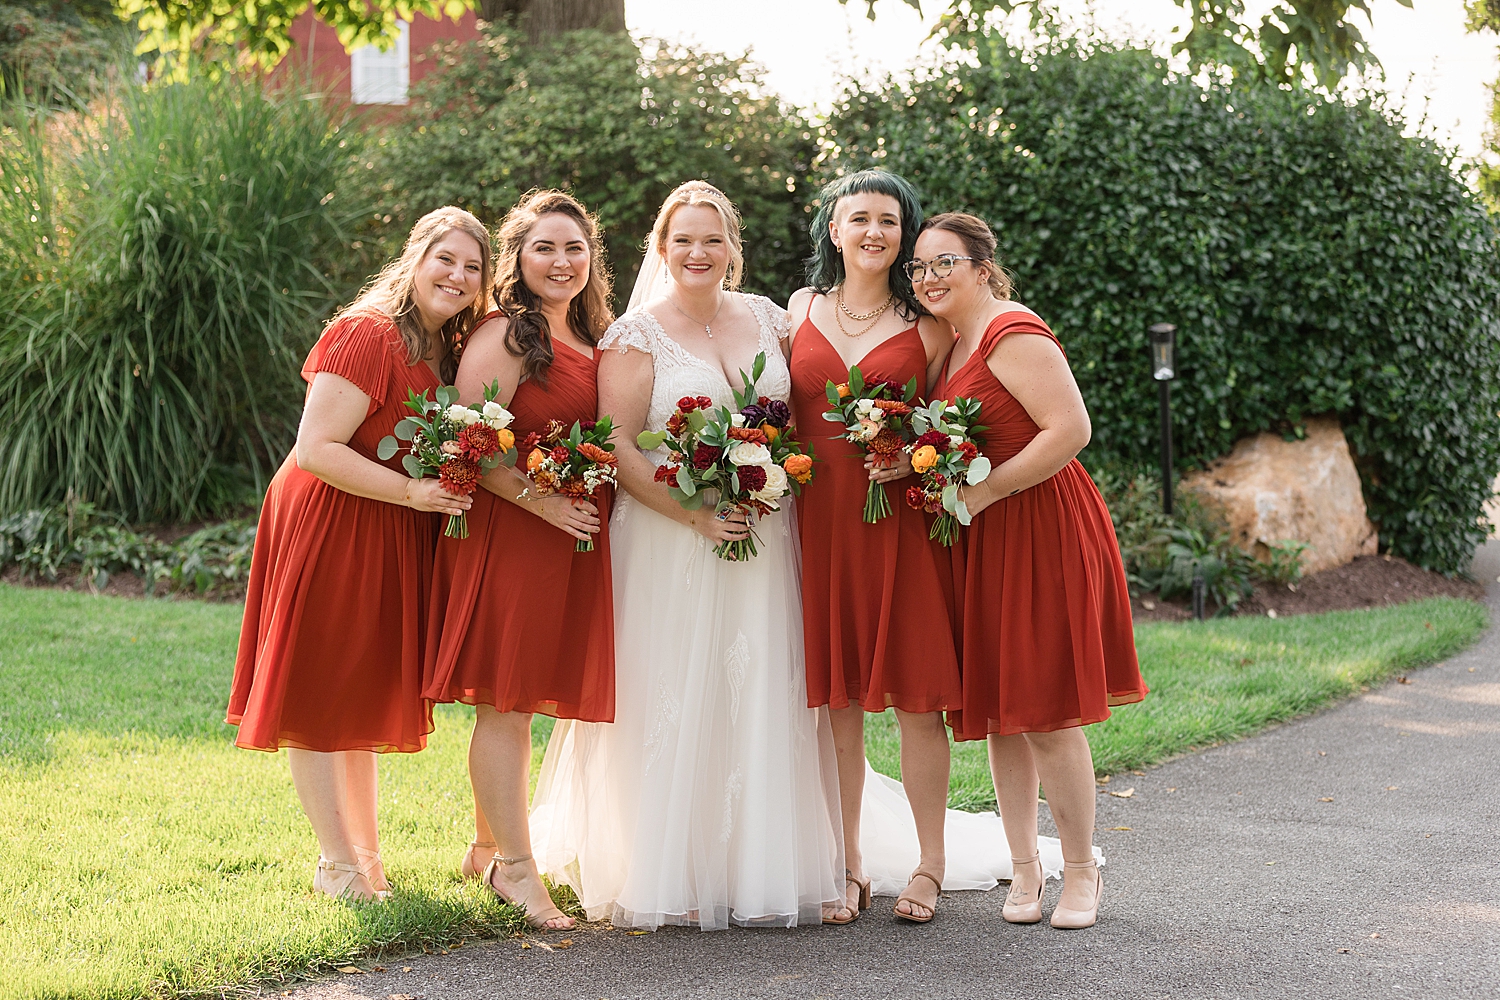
652 281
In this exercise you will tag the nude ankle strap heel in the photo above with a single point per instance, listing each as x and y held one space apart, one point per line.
332 878
1078 919
541 917
373 869
1025 908
469 867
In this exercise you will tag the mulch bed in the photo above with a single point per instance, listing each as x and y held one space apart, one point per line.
119 585
1367 582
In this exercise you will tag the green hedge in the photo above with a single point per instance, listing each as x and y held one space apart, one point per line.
168 259
618 128
1315 261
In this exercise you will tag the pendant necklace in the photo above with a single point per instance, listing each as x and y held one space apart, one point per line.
707 327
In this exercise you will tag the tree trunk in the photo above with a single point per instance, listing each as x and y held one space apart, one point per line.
549 18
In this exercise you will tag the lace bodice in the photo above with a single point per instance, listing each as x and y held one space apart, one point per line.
677 372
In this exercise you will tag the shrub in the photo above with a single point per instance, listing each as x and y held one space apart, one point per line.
591 114
170 258
1314 258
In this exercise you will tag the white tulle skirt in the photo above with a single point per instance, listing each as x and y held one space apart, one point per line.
978 856
712 799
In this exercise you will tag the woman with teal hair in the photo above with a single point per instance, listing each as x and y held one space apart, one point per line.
877 603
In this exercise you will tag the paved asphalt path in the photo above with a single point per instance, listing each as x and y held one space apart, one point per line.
1236 878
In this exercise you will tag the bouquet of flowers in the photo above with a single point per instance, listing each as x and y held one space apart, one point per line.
749 456
876 415
571 463
456 443
945 456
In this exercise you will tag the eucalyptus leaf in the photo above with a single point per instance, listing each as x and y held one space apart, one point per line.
979 471
447 395
412 466
387 448
650 440
685 481
961 511
406 428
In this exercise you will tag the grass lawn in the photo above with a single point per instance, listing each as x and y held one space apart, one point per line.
141 854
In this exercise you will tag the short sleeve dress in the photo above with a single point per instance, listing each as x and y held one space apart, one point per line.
519 620
1046 637
330 654
876 611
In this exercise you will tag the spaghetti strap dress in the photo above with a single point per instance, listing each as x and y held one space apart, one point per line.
1046 639
519 620
876 611
330 653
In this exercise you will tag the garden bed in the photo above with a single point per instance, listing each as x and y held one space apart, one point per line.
1367 582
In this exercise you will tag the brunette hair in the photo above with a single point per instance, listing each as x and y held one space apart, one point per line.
979 242
825 268
527 336
704 193
392 292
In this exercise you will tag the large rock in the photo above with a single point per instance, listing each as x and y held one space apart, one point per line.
1274 490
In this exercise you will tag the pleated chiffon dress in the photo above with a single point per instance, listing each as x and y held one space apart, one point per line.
330 653
518 619
1046 640
877 610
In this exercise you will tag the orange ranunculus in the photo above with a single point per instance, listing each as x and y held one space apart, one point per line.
755 435
843 390
799 467
924 458
772 432
507 439
535 459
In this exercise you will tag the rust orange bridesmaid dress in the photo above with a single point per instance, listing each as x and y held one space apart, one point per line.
519 620
330 654
1046 637
876 611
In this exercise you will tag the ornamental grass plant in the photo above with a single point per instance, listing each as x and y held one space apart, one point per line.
170 255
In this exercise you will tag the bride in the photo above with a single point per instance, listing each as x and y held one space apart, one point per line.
712 799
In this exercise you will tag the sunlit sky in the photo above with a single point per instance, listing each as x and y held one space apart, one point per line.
1432 66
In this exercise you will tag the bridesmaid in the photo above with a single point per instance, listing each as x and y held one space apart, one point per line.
1046 635
874 607
519 622
330 654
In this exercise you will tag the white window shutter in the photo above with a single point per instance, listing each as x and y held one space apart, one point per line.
377 77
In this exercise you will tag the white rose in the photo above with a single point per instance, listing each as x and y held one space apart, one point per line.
775 483
462 415
737 419
955 439
750 453
497 416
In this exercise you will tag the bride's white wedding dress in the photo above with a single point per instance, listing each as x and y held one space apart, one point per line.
712 798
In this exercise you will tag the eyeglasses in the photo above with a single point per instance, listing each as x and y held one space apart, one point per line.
941 266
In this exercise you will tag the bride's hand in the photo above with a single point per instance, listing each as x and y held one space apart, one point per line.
882 472
579 518
730 527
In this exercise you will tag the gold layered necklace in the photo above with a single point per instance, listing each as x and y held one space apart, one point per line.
870 318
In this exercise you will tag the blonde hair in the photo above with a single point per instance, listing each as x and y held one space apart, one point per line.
704 193
392 292
589 314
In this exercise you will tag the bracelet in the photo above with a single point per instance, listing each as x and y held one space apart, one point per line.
406 494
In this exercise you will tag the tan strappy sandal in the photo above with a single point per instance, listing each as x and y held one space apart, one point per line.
851 913
332 878
373 869
467 868
1024 907
537 920
913 901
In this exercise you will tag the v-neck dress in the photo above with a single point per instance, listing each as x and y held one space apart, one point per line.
877 612
519 620
330 654
1046 638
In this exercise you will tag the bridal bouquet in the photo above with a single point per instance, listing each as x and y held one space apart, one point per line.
456 443
876 415
945 457
749 455
572 463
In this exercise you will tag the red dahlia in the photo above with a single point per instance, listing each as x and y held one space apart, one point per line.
665 472
915 498
559 455
478 441
936 439
459 476
969 451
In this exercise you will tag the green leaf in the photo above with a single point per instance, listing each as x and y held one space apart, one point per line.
979 471
446 395
651 440
387 448
856 381
833 394
685 481
412 466
406 428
